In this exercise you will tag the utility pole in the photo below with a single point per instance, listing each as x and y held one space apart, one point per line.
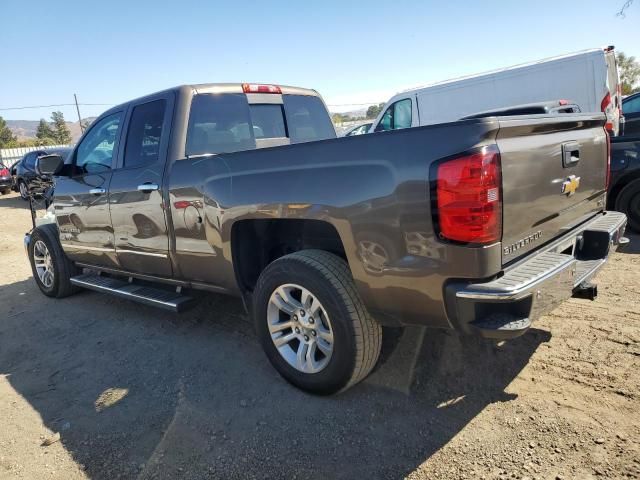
78 110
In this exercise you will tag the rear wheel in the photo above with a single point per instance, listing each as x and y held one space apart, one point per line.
628 202
51 268
312 323
23 189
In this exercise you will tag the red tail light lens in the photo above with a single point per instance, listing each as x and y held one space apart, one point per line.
608 159
4 172
469 197
255 88
605 102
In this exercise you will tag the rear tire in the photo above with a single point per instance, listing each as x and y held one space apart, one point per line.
628 202
355 337
6 191
46 254
23 189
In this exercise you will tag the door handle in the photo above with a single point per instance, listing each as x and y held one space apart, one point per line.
97 191
570 154
148 187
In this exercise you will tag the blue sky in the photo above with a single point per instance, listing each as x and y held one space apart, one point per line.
109 52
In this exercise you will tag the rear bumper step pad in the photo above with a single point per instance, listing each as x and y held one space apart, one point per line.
505 307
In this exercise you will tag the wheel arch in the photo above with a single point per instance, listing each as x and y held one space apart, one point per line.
255 243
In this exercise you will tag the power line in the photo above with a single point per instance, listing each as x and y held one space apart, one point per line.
349 104
110 104
56 105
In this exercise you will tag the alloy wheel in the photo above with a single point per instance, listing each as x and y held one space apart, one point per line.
300 328
43 263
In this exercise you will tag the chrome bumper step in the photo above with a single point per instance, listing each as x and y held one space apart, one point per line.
153 296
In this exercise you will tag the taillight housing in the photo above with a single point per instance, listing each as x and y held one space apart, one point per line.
608 159
4 172
469 197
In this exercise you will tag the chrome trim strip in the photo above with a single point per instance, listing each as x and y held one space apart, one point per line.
86 247
149 254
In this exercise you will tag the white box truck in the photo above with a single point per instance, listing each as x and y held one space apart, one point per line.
588 78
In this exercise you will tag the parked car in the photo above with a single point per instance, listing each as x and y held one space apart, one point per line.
590 78
358 129
26 179
631 112
6 181
624 185
486 224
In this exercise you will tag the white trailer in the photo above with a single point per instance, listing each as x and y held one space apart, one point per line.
588 78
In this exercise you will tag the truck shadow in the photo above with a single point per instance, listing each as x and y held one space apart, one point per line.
634 243
141 393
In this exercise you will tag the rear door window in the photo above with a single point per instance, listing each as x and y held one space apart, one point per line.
143 138
307 118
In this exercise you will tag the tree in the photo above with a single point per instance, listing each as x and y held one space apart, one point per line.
374 110
7 138
623 10
629 73
61 132
44 133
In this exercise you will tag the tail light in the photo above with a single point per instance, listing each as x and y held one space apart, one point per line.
469 197
4 172
605 102
256 88
608 159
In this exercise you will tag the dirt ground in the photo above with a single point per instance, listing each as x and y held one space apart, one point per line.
96 387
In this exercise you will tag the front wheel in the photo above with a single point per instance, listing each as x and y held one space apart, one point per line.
52 270
312 323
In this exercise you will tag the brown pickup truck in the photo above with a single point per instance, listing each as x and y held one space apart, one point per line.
479 225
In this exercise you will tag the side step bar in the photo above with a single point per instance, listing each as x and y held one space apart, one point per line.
153 296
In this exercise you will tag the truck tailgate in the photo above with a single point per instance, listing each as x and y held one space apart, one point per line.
553 175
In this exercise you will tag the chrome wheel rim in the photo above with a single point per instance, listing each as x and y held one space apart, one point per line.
300 328
23 190
43 263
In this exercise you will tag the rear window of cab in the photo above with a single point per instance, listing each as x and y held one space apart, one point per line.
226 123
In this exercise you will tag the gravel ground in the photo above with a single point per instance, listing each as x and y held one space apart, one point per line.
96 387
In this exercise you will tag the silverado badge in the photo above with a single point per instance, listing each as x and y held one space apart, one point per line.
570 185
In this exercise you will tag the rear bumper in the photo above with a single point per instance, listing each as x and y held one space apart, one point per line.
6 183
506 307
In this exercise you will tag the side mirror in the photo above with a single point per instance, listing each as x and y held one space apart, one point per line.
49 164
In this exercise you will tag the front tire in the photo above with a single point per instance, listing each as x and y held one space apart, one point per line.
312 324
51 268
628 202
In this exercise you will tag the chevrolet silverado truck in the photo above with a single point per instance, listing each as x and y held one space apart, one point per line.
479 226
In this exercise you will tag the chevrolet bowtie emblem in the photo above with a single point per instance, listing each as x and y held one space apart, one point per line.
570 185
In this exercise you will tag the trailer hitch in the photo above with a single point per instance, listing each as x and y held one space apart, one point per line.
586 290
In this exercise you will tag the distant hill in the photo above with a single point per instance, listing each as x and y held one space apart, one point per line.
26 129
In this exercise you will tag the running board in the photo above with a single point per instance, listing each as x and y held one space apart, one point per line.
153 296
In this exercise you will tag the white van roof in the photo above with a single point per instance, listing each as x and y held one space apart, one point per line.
512 67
